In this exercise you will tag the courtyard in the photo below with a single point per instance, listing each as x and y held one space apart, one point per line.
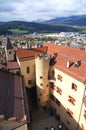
42 119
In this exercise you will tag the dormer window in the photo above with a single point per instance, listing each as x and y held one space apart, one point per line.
77 64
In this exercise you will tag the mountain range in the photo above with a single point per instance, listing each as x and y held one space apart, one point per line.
78 20
59 24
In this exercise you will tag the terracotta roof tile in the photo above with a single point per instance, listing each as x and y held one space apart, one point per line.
24 54
66 53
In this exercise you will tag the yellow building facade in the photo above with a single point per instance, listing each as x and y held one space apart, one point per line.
27 68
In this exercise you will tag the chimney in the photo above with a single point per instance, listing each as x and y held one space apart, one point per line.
68 64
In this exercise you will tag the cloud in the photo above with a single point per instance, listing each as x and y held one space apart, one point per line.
29 10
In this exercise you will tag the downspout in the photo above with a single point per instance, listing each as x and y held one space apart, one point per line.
81 107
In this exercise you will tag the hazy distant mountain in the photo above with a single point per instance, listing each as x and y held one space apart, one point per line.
79 20
33 27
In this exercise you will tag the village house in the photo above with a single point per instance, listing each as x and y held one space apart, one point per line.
68 85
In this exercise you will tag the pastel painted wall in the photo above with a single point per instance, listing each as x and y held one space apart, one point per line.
31 74
65 86
42 82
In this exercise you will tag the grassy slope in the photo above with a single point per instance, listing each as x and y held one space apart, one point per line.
18 31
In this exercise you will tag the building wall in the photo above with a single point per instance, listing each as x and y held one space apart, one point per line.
31 74
62 90
2 59
42 82
2 55
10 54
83 114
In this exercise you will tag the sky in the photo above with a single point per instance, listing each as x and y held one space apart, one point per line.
32 10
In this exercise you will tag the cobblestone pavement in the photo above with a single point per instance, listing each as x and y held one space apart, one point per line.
42 120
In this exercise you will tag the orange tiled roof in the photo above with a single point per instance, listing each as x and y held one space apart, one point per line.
25 54
66 53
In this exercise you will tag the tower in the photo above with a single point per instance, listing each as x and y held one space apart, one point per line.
42 82
9 51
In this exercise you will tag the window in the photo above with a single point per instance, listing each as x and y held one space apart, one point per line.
53 74
46 101
39 99
41 84
59 91
52 85
9 52
29 81
71 100
69 112
28 69
82 127
47 85
59 77
52 97
68 122
1 61
84 114
74 86
58 102
41 77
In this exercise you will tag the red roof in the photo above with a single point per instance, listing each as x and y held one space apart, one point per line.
66 53
25 54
